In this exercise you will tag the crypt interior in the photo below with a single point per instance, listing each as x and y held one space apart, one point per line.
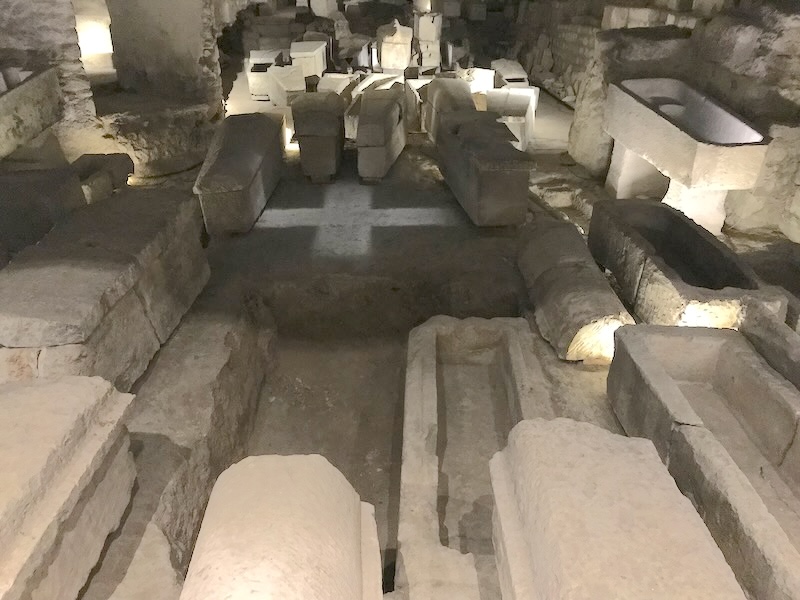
401 299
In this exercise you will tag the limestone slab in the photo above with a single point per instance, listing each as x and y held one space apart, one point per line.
575 308
285 84
428 27
313 539
310 56
577 509
428 567
241 170
725 423
670 270
64 488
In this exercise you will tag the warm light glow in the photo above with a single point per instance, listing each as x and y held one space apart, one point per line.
94 37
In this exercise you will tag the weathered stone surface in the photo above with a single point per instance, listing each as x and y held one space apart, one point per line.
517 107
105 288
488 176
575 308
427 569
241 170
33 201
118 166
733 463
394 46
381 133
577 509
319 128
190 421
310 56
442 96
67 478
28 109
313 539
670 270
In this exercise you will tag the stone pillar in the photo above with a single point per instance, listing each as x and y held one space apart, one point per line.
166 48
703 206
631 176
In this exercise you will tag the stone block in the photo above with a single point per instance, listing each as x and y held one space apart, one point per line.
284 84
443 96
319 127
517 105
723 422
33 201
428 27
323 8
394 46
102 291
310 56
97 187
430 54
381 133
630 176
672 271
241 170
480 80
325 547
575 308
28 109
66 481
487 175
577 509
509 73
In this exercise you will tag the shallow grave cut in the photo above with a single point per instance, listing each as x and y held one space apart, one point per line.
467 383
727 426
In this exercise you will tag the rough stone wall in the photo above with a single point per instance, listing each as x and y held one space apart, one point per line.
750 61
48 27
620 54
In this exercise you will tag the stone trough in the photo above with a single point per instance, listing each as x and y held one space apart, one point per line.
467 383
726 424
666 126
670 270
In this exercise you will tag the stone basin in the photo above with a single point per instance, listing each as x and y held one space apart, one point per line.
672 139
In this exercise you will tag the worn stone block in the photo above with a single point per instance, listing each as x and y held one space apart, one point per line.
241 170
575 308
381 132
66 482
442 96
319 127
325 547
29 108
394 46
100 293
576 512
310 56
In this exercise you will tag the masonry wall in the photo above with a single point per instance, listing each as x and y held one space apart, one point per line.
47 27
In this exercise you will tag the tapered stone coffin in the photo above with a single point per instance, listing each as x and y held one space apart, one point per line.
241 170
